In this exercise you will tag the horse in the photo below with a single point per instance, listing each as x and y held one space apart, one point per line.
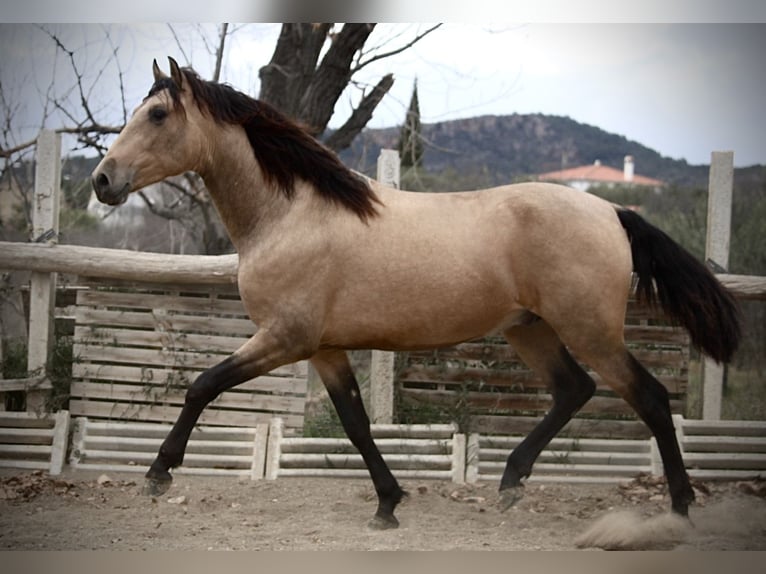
331 261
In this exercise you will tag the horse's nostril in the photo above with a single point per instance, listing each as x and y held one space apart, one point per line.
102 181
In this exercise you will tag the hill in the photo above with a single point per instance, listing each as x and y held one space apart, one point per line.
501 149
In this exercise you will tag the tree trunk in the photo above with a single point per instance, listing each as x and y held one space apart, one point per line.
298 84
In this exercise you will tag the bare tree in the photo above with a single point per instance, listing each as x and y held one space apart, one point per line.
311 67
300 84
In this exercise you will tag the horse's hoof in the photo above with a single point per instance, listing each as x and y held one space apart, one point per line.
383 522
509 497
157 486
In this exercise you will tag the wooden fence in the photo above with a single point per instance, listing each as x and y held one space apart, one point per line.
487 381
33 442
131 447
713 450
411 451
138 346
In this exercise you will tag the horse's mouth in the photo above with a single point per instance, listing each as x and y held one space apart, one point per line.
109 194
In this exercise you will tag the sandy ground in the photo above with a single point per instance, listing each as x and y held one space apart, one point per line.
88 511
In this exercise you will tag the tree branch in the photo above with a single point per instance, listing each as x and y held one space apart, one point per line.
343 137
219 52
377 57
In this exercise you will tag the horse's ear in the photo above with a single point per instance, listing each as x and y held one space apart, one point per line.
175 72
158 74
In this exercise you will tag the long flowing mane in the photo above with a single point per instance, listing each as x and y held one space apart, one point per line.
283 149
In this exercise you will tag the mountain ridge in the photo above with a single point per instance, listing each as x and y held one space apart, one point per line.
506 148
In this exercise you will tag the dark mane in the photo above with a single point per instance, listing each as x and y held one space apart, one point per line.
283 149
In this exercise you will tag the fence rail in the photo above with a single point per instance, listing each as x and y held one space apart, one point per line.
726 450
193 269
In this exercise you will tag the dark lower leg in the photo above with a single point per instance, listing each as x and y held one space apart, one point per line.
650 400
344 392
207 387
571 387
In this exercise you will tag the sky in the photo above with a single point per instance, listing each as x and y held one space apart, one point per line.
684 90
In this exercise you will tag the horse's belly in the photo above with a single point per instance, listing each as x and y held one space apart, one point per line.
424 320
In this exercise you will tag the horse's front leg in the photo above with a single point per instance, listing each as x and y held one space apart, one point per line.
334 369
259 355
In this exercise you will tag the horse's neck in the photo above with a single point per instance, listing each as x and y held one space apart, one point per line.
246 203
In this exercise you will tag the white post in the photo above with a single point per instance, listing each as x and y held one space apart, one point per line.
274 448
58 446
717 250
472 459
42 287
458 457
260 448
382 362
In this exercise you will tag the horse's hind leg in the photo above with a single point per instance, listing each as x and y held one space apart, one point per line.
334 369
649 398
541 349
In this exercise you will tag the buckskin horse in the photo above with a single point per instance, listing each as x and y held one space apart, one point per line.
331 261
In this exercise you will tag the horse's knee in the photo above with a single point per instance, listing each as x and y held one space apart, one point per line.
201 391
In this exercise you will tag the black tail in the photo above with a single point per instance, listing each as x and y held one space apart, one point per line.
687 290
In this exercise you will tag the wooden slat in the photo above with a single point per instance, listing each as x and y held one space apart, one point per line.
225 289
731 428
133 356
656 334
405 431
135 394
727 461
158 431
117 466
504 353
519 401
281 382
25 464
36 383
169 414
394 461
167 302
364 473
26 436
590 470
190 459
24 451
170 340
521 380
220 447
724 444
569 457
523 425
25 420
385 446
505 443
229 326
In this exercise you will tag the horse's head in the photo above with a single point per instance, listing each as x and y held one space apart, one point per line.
163 138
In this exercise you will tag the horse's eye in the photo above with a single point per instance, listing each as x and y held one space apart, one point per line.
157 114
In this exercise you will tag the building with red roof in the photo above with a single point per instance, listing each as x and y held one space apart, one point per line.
587 176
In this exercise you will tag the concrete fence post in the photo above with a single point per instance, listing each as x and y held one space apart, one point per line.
720 191
382 362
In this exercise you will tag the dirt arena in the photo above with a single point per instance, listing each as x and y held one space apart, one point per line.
85 511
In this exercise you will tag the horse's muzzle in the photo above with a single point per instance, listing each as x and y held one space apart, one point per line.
109 188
